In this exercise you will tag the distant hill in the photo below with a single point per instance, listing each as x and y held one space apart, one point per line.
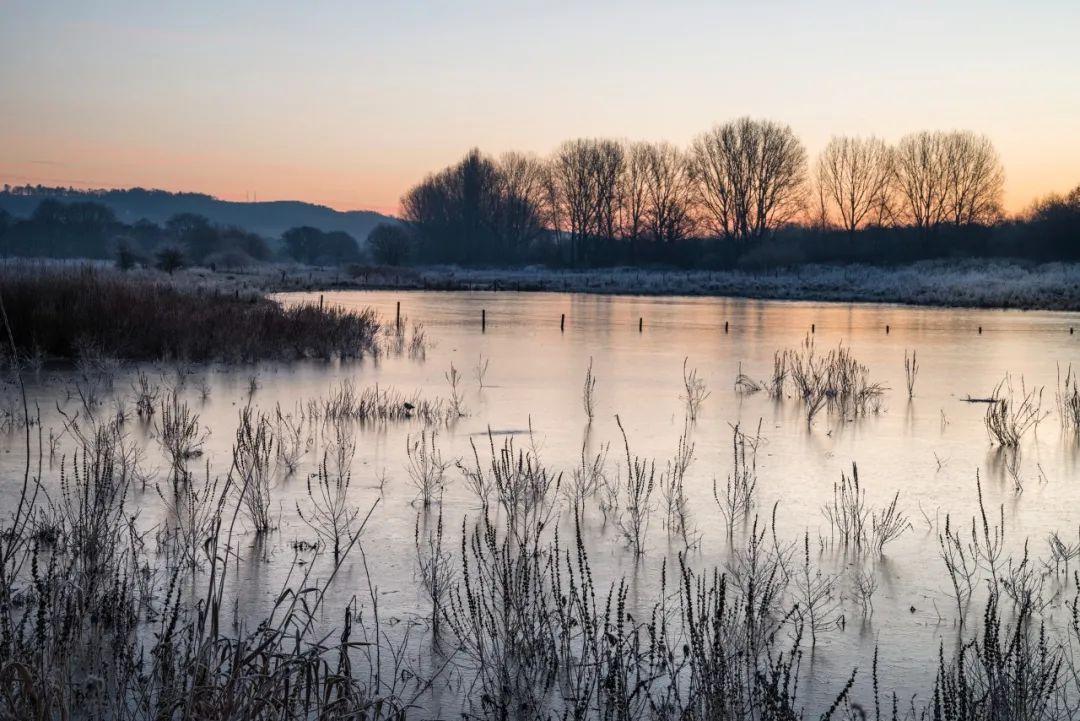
269 219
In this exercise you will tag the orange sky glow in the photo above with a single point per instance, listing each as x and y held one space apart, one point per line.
349 104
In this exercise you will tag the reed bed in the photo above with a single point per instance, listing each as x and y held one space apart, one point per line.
102 617
60 311
90 630
377 404
1068 401
835 381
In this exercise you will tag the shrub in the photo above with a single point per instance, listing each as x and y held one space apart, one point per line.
390 244
170 259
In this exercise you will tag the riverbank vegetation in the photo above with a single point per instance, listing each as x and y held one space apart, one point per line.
69 312
103 616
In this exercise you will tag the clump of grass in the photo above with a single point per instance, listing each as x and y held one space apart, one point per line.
1068 401
836 381
1010 415
480 369
179 433
746 385
854 524
911 372
588 392
292 444
738 499
975 555
376 403
251 460
329 513
1062 553
516 483
455 399
865 585
59 309
146 395
635 507
695 391
779 375
436 570
426 467
418 341
1005 673
587 478
815 595
192 512
673 491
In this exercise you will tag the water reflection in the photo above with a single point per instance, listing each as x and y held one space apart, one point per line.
928 448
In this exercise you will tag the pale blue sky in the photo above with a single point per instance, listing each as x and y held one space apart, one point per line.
349 103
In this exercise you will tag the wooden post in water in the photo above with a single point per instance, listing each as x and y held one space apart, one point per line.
397 318
725 326
980 330
640 324
483 320
320 302
562 323
813 327
886 329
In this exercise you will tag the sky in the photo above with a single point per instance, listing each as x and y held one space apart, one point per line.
349 103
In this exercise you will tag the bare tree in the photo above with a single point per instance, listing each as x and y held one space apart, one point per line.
750 177
633 191
854 177
948 177
587 174
975 179
521 205
669 193
921 180
607 171
573 191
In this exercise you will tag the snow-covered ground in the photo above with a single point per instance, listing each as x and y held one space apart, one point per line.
967 283
972 283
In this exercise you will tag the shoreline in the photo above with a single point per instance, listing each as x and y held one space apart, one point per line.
972 283
985 285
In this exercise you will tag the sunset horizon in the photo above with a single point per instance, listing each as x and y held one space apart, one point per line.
351 107
500 360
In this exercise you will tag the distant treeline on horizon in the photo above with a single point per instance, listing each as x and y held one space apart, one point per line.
88 229
742 195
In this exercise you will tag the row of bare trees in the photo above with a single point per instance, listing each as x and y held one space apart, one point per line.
740 181
928 179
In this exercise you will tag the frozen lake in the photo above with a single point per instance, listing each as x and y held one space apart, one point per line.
929 449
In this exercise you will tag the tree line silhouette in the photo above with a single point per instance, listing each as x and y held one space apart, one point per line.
742 194
88 229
